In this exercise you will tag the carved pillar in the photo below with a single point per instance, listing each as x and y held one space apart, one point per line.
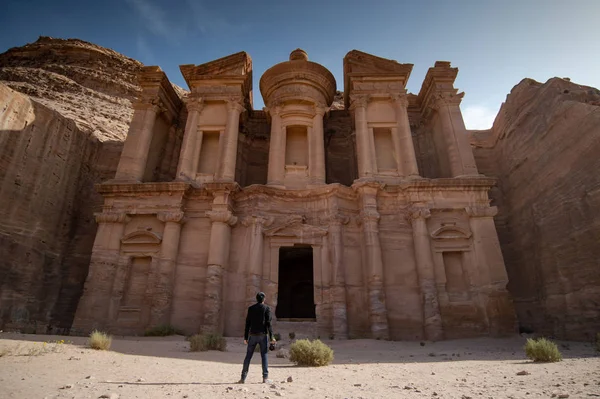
255 256
93 309
218 258
338 276
375 273
276 167
192 141
460 154
366 159
227 169
490 264
317 167
405 147
432 318
162 293
134 157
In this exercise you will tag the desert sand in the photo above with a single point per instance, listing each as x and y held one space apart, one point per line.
148 367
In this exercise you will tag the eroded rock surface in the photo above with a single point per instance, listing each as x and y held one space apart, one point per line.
545 149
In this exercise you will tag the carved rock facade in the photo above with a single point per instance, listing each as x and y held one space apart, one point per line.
400 242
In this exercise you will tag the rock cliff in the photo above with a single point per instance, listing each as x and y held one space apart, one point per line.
57 139
544 148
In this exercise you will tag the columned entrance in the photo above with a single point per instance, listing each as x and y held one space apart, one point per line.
296 284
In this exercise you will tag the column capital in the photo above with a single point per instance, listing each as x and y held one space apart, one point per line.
195 103
320 109
222 216
261 221
336 219
369 215
418 212
444 99
235 103
359 101
274 109
112 217
482 211
400 99
171 216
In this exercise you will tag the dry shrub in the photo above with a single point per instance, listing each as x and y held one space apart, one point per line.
315 353
99 340
163 330
206 342
542 350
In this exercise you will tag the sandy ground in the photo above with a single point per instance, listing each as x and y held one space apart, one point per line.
164 368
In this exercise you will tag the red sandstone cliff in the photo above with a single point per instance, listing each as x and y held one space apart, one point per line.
65 134
544 148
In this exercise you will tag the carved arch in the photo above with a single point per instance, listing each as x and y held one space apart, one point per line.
142 237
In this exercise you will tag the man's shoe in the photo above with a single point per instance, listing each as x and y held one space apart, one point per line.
266 381
242 381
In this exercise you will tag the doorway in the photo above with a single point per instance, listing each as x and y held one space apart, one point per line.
295 298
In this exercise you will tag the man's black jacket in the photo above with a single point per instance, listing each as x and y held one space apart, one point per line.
258 321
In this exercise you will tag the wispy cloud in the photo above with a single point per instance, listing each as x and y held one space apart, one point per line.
479 117
155 19
192 17
144 52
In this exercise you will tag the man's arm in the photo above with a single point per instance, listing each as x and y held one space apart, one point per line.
247 328
268 323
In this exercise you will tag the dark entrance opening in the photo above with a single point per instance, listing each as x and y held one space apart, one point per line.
295 299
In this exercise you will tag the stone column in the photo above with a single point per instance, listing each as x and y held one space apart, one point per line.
375 273
93 309
234 109
276 167
460 154
162 293
338 277
192 141
490 265
363 141
132 164
317 167
405 149
432 318
255 256
218 258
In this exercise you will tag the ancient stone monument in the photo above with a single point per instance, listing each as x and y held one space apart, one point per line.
366 221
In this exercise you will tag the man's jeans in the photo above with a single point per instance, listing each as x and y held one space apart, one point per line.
254 340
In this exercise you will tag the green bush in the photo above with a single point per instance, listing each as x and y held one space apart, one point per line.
542 350
99 340
292 335
310 353
207 342
162 330
277 336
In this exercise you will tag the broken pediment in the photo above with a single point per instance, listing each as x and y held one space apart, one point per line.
450 232
366 73
235 65
141 237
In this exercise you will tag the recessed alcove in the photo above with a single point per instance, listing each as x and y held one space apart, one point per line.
209 152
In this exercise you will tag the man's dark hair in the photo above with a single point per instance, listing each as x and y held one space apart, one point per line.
260 297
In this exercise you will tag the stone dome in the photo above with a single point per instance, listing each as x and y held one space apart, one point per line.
298 80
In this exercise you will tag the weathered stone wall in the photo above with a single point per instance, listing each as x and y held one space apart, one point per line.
47 171
340 148
544 148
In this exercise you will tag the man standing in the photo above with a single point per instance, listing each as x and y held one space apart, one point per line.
258 325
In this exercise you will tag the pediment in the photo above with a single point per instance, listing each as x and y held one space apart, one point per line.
357 62
296 229
451 232
234 65
141 237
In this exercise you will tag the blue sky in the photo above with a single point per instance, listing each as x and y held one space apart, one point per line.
493 43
